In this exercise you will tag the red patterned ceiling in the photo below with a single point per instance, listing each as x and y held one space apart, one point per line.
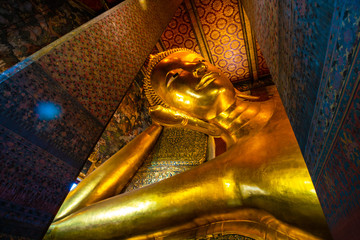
179 32
222 27
220 31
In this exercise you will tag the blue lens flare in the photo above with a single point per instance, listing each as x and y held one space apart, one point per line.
73 186
48 110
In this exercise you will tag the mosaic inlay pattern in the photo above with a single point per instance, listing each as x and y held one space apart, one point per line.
226 40
179 33
229 237
176 151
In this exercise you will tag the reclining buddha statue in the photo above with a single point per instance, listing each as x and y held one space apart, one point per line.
259 187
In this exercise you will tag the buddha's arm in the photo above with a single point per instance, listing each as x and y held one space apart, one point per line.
170 202
277 183
113 175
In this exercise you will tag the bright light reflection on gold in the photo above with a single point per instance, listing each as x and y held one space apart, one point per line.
130 209
193 94
252 190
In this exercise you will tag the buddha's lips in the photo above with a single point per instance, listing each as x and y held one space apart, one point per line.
206 80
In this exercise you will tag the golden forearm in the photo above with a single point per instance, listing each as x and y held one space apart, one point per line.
111 176
173 201
220 186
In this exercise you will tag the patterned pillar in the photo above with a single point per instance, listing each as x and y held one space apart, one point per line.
312 49
55 104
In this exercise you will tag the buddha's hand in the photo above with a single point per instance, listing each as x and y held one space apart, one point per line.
172 118
208 128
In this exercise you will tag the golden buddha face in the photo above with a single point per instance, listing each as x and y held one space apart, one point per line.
187 82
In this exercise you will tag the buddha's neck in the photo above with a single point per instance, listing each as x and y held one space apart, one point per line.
243 118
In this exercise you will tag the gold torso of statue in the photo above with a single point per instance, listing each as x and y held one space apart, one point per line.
259 187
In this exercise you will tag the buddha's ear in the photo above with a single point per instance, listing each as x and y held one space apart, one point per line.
171 118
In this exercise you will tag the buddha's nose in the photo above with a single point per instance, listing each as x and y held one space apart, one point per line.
200 70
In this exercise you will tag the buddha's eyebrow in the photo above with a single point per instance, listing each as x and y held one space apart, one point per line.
173 77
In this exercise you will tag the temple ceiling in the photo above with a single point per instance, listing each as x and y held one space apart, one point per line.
220 31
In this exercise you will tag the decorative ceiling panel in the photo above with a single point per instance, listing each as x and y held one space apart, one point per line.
179 33
220 31
222 27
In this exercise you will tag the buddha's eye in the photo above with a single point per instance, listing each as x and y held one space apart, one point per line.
173 77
